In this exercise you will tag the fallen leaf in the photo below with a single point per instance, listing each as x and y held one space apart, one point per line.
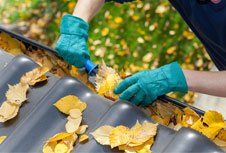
68 103
59 136
83 138
8 111
81 129
75 113
34 76
210 124
141 133
219 142
101 135
2 139
138 139
61 148
17 94
119 135
106 81
73 124
60 143
222 135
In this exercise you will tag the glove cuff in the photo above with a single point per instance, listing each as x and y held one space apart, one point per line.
175 77
73 25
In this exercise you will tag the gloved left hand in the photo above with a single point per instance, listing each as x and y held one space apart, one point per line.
72 44
145 86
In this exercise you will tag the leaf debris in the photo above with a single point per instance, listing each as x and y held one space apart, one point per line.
137 139
63 142
17 94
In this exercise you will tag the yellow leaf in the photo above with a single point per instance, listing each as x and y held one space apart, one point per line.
219 142
59 136
101 135
47 149
188 35
141 133
68 103
119 135
2 139
106 81
118 20
210 124
8 111
171 50
35 76
69 141
222 135
163 121
62 143
147 58
105 32
135 17
10 44
161 9
75 113
138 139
83 138
189 118
143 148
17 93
73 124
81 129
61 148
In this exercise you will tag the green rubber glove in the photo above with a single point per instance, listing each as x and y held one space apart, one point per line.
145 86
72 44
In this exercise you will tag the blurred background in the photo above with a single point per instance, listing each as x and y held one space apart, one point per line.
129 37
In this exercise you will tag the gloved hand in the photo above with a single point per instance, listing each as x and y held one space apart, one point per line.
145 86
72 42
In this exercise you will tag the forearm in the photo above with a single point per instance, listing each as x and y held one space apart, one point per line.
87 9
212 83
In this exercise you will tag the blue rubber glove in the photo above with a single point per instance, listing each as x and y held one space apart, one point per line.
72 44
145 86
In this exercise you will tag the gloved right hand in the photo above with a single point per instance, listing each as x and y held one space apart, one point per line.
144 87
72 44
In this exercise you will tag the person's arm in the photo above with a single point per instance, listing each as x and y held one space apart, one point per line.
211 83
87 9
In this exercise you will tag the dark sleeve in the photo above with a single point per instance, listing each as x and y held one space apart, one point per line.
207 21
118 1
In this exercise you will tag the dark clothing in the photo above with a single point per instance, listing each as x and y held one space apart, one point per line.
208 21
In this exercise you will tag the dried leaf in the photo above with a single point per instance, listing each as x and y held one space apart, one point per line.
61 143
138 139
34 76
75 113
68 103
141 133
73 124
219 142
61 148
119 135
189 117
59 136
106 81
8 111
17 93
83 138
222 135
2 139
11 45
210 124
101 135
81 129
